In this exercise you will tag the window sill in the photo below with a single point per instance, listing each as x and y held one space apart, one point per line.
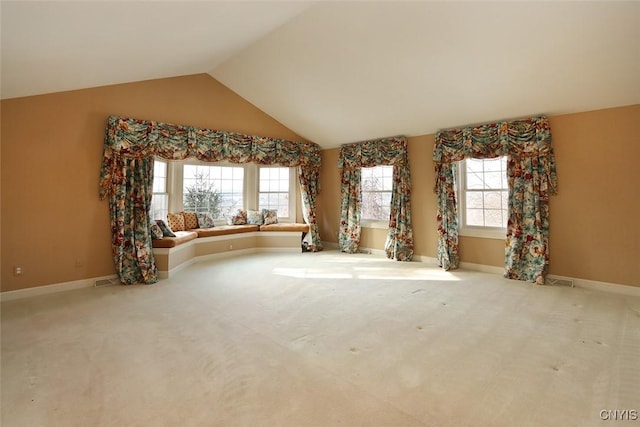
483 232
372 223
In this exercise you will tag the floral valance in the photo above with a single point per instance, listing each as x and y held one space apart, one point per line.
386 151
518 138
133 138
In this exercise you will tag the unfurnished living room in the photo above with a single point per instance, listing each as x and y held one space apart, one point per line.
320 213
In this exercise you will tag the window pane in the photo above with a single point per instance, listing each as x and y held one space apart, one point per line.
217 190
159 184
475 217
159 206
493 180
492 200
226 173
386 206
493 165
159 198
387 183
273 189
159 169
159 176
475 181
493 218
474 165
488 207
474 199
263 185
376 183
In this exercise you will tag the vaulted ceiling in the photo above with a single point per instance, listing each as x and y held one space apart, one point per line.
338 72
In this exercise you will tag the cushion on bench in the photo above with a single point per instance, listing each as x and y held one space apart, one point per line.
226 229
284 226
172 242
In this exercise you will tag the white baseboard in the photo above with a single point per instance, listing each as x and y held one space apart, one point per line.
595 285
89 283
492 269
53 288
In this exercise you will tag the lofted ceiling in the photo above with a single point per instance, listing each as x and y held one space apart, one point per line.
338 72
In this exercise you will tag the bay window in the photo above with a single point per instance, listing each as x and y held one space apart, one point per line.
221 189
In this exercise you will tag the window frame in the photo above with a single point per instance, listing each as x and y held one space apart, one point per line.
166 192
374 222
292 191
250 198
487 232
192 162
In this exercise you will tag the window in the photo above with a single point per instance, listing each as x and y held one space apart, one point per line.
217 190
221 189
160 197
377 184
273 189
483 197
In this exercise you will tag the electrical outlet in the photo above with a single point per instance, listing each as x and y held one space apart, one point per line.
230 247
17 271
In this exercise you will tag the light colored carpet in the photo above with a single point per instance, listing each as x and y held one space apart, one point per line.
320 340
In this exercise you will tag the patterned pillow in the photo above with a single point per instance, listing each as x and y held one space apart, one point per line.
239 218
270 216
176 221
190 220
254 217
156 231
166 231
205 220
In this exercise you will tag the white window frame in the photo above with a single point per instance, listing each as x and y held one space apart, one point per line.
486 232
175 172
178 184
292 191
167 181
372 222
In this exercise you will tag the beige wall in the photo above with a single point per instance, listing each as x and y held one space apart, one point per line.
595 226
55 227
53 224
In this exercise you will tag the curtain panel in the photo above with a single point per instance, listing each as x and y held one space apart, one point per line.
531 173
126 178
380 152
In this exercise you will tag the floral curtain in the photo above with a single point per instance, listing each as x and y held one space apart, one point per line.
129 148
310 180
532 178
353 157
129 204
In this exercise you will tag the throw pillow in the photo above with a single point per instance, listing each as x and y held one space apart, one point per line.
254 217
166 231
239 218
156 231
205 220
176 221
270 216
190 220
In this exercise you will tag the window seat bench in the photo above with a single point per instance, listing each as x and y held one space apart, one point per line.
174 253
